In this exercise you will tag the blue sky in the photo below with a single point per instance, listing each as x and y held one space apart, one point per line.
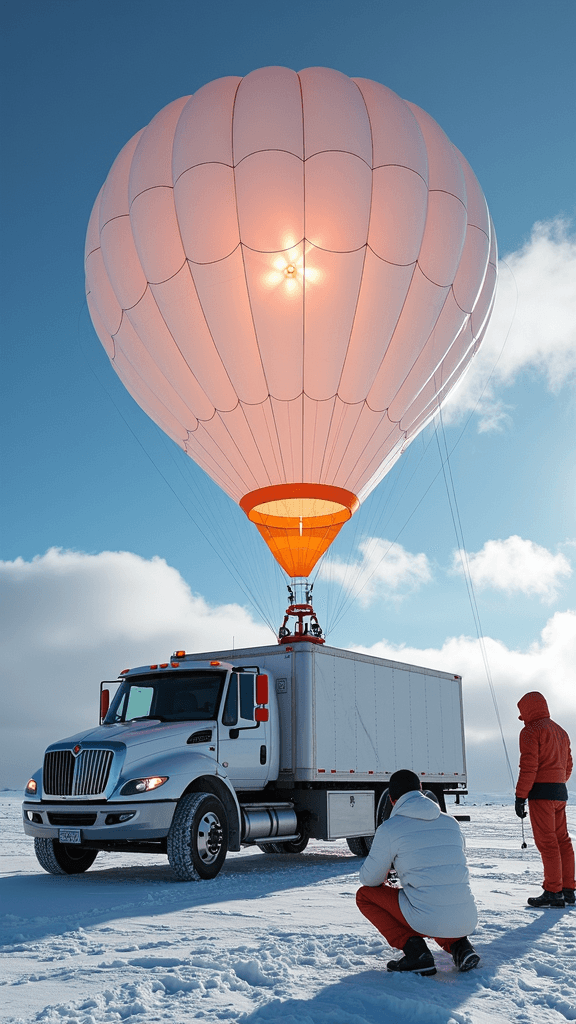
84 470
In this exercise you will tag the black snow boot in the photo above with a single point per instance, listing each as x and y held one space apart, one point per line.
548 899
417 958
568 896
464 955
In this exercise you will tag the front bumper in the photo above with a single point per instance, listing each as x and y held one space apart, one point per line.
151 819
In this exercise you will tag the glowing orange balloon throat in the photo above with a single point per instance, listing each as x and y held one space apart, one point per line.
299 521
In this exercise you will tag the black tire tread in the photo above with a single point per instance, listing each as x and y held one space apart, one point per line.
291 846
358 846
53 857
178 842
44 850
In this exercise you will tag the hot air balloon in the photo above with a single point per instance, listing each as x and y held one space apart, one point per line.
289 273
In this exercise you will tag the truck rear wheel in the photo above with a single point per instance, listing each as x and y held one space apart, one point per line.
291 845
198 837
63 858
360 846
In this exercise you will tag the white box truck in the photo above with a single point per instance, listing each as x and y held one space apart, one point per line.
271 746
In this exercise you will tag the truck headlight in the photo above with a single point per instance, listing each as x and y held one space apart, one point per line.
31 787
143 785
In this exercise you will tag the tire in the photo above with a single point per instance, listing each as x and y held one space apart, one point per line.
63 858
359 845
291 845
198 838
384 809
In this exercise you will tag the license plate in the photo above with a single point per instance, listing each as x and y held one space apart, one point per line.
69 835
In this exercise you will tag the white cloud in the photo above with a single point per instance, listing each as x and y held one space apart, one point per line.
71 619
386 570
516 565
548 665
535 315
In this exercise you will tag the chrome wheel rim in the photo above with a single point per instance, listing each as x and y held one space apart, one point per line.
209 836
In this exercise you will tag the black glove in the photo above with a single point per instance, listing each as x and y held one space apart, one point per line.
520 807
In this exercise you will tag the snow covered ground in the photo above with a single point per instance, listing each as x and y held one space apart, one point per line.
272 940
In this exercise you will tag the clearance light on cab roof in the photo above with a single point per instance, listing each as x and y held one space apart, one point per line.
214 662
179 654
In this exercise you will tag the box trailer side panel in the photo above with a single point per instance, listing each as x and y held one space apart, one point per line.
360 716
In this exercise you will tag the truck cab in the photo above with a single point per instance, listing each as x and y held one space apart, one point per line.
169 731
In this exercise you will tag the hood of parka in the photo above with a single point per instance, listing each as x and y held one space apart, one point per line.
532 706
415 805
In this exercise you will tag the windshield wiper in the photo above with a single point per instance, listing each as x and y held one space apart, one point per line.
147 718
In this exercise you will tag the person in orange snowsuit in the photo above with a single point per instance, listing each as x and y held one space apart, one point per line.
545 767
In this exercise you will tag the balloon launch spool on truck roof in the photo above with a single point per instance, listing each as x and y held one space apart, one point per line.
269 746
289 273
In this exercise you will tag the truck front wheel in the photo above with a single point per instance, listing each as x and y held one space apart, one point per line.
63 858
198 837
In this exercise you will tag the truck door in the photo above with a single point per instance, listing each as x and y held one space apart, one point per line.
243 742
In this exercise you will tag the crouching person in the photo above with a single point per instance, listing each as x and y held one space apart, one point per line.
426 849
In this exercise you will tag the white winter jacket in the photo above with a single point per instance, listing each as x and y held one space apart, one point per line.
426 848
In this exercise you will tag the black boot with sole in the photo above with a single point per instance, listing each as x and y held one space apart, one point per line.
417 958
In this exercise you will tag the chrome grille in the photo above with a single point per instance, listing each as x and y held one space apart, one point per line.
85 775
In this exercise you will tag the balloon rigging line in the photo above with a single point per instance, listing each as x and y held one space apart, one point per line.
466 572
379 500
353 596
230 568
256 560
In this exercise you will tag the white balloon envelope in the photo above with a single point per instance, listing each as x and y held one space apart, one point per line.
289 273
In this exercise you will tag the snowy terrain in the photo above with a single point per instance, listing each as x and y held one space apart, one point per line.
272 939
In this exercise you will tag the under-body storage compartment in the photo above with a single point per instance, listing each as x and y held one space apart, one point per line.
337 814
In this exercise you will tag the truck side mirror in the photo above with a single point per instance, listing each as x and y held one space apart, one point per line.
104 703
262 691
261 715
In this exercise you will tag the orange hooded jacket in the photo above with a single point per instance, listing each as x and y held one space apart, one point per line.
545 757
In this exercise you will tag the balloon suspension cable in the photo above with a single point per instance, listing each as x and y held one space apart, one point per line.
300 608
524 843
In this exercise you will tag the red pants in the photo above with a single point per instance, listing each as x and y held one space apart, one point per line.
548 820
380 905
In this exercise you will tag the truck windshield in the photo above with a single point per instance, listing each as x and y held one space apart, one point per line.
178 697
